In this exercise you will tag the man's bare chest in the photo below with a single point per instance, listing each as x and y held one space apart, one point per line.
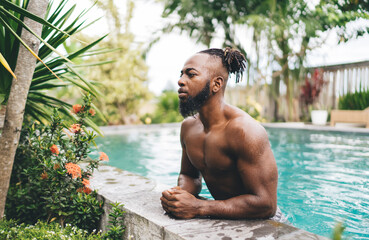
209 152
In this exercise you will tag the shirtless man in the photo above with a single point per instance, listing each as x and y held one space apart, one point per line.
221 144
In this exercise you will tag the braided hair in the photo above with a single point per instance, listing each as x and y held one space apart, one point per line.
232 59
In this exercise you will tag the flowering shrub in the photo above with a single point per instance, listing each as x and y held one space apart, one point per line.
48 182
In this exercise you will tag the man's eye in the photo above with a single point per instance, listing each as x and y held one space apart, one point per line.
190 75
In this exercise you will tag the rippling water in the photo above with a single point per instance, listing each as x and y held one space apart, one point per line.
323 176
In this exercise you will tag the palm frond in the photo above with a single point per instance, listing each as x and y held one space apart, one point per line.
6 65
61 24
30 30
24 12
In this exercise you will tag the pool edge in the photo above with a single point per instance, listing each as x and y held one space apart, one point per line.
145 219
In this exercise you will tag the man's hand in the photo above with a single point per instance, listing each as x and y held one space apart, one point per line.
180 203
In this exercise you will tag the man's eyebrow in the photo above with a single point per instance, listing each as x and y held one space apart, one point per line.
188 70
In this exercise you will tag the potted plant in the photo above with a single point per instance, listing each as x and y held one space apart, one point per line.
310 92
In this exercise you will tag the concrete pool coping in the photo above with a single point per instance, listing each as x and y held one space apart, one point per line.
145 219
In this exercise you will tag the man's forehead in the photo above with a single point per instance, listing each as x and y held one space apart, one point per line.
198 61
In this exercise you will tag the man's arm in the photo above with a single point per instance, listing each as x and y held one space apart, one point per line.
189 178
257 168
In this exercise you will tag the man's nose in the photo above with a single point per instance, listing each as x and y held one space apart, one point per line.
181 82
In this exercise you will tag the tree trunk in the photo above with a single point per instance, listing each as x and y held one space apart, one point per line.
24 69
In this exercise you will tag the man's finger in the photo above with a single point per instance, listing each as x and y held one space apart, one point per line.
169 196
164 204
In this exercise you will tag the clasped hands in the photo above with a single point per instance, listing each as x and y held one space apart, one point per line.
180 203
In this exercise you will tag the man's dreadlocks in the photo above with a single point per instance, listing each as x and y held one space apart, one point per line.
232 59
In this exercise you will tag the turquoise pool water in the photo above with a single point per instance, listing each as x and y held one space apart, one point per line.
323 176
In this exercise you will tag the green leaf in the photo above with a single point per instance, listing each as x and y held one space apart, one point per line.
22 11
30 30
6 65
24 44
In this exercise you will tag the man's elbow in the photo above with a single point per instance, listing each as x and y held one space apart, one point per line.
266 208
269 209
190 184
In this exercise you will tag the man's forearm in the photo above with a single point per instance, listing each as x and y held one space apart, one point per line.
240 207
191 185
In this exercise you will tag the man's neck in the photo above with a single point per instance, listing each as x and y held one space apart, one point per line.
212 113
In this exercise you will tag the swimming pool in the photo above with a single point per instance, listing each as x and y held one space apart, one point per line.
323 176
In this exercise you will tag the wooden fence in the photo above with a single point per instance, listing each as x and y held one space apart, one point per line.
342 79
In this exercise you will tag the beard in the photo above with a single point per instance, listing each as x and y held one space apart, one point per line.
191 105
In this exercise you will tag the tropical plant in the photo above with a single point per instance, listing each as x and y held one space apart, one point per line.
17 99
54 70
48 182
311 89
16 18
359 100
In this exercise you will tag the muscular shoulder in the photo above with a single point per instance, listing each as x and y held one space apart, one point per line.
188 124
246 135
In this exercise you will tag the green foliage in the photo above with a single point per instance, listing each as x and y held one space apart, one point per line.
253 109
124 81
116 227
359 100
166 109
47 183
10 229
59 26
338 231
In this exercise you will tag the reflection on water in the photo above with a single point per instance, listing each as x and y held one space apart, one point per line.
323 177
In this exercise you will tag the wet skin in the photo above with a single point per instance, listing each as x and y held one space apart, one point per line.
227 148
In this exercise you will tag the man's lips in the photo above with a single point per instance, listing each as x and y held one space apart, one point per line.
181 93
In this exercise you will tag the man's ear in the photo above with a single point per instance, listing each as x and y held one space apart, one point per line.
218 83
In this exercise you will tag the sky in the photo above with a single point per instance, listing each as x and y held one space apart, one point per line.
166 57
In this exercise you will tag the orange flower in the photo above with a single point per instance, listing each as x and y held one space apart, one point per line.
73 169
103 156
86 182
75 128
54 149
77 108
87 190
56 166
92 112
44 175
